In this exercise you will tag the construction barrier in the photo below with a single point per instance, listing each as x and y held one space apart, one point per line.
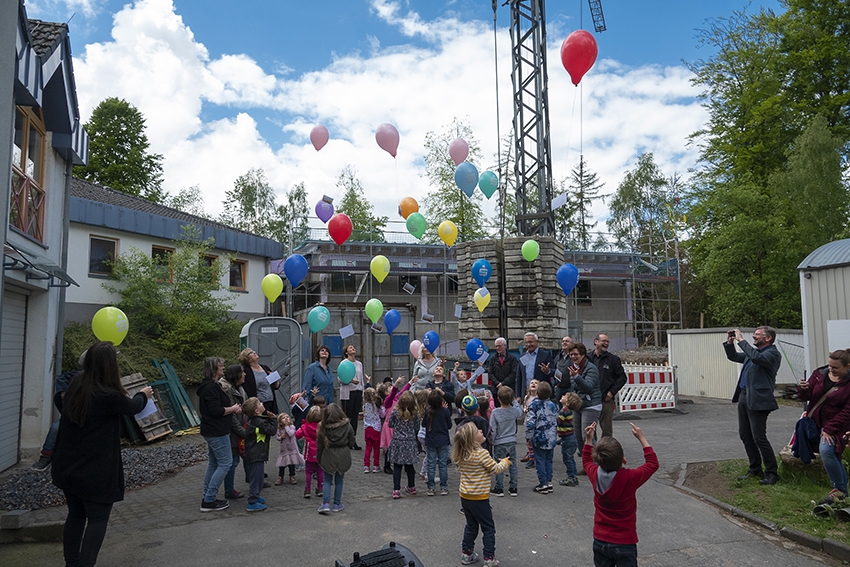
649 387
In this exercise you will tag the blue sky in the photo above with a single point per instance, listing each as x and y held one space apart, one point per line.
226 86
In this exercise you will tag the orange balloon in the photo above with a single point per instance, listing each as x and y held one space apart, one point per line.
408 206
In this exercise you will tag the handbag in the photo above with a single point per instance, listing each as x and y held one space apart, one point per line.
807 430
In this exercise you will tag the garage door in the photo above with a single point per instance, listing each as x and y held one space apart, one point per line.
11 374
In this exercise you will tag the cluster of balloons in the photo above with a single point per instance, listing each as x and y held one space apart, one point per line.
466 175
110 324
567 277
578 54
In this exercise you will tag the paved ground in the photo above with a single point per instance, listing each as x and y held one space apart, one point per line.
161 524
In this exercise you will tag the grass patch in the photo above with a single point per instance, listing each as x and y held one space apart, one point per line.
788 503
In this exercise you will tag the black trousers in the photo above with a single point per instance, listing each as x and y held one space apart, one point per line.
752 428
85 528
352 407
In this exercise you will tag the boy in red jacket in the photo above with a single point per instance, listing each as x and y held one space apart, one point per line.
614 487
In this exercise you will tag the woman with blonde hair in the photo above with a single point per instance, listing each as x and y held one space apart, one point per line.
256 384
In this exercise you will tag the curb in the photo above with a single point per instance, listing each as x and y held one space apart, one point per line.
831 547
31 533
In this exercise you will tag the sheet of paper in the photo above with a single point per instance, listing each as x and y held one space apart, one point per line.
457 311
302 403
559 201
558 375
483 358
478 372
346 331
377 360
273 377
409 288
328 200
149 408
428 319
377 328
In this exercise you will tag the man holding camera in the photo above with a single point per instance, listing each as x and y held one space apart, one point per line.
754 394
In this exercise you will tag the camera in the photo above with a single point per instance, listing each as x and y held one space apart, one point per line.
730 334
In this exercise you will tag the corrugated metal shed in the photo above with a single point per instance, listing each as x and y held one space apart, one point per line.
702 368
831 255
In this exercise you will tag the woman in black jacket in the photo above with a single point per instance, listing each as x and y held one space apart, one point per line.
87 460
256 384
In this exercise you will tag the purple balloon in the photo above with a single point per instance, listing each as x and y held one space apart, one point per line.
324 211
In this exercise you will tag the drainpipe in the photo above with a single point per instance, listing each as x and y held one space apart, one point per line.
63 263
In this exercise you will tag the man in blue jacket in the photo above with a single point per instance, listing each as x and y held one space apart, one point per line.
535 364
754 394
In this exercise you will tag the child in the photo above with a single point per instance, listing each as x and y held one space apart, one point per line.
289 455
307 431
476 465
421 398
614 522
469 406
503 425
404 423
437 421
541 430
400 386
334 439
530 396
569 402
373 415
259 431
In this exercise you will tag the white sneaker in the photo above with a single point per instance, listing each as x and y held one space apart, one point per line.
367 470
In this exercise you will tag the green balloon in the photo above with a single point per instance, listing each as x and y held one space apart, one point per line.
530 250
374 310
488 183
416 224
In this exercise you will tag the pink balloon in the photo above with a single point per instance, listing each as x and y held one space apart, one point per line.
319 136
414 348
578 54
340 227
458 151
387 137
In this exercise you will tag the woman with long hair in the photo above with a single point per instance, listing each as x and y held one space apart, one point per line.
424 368
87 460
231 383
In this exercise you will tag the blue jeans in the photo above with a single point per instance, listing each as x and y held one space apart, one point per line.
500 452
50 440
543 463
568 450
256 478
438 456
614 554
220 459
833 465
230 478
478 513
333 479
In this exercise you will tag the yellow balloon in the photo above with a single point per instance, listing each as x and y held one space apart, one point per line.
448 232
272 286
110 324
481 298
380 267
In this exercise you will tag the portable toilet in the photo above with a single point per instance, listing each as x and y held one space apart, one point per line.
277 341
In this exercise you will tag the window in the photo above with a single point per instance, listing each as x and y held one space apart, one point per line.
342 282
162 262
209 265
102 252
238 273
583 293
26 207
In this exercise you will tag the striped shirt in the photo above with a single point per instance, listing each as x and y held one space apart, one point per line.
475 474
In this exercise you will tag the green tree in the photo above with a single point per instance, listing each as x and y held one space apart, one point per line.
180 300
118 151
189 200
573 220
446 201
367 226
638 208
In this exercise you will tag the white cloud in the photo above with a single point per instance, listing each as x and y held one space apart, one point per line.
155 61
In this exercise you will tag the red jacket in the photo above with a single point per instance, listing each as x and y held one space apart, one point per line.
833 415
615 519
307 431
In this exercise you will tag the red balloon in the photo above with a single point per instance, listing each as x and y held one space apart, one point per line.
578 54
340 227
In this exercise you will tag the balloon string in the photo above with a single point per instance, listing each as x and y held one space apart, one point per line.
570 127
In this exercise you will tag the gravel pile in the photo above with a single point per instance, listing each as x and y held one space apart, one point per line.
31 490
643 355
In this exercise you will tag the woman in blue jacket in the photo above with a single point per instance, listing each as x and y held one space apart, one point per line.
585 379
319 378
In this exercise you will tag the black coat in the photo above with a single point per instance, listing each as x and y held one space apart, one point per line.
250 385
87 458
612 377
212 402
259 431
504 372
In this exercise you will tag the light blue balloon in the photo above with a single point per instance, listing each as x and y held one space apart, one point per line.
346 371
392 318
466 177
481 271
474 349
295 268
318 318
567 277
431 341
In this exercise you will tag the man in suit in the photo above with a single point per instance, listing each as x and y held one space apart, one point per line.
612 377
501 368
535 364
754 394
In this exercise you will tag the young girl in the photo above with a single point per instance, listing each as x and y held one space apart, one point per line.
476 466
335 439
307 431
373 415
421 398
437 422
530 396
404 423
289 455
400 386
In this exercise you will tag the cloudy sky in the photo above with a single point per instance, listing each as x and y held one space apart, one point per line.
226 86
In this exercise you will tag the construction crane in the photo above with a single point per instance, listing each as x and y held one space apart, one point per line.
533 157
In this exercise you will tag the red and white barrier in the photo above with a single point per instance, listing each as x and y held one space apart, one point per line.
649 387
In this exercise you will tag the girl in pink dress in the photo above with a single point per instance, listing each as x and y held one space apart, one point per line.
289 455
389 404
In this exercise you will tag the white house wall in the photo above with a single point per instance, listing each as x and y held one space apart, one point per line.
84 301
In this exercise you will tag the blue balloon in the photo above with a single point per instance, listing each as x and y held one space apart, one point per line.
295 268
466 177
481 271
474 349
391 320
431 341
567 277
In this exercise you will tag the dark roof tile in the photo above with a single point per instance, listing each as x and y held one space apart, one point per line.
46 36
